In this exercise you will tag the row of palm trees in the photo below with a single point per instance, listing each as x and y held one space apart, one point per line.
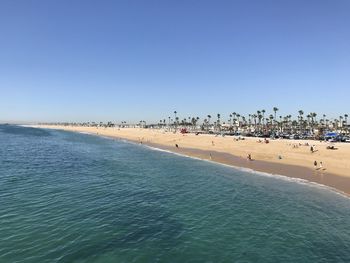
257 122
262 122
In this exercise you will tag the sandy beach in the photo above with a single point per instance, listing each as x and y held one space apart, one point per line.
291 158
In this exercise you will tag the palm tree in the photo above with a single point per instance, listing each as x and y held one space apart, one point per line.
194 122
346 121
275 109
259 118
234 114
341 122
204 125
308 121
289 121
301 113
254 116
176 120
314 114
218 121
208 116
263 117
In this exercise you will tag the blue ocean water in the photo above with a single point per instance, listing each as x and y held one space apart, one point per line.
68 197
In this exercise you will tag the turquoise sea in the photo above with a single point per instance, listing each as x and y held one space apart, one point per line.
68 197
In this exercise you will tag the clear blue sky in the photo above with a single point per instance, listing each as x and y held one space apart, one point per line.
131 60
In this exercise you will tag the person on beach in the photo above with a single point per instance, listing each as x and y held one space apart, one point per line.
249 157
210 156
176 145
315 164
312 149
321 165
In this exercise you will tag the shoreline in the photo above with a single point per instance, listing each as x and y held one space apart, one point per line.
338 183
334 182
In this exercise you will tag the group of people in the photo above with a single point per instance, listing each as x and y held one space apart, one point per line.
320 165
263 141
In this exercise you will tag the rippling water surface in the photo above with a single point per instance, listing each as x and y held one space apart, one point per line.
67 197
